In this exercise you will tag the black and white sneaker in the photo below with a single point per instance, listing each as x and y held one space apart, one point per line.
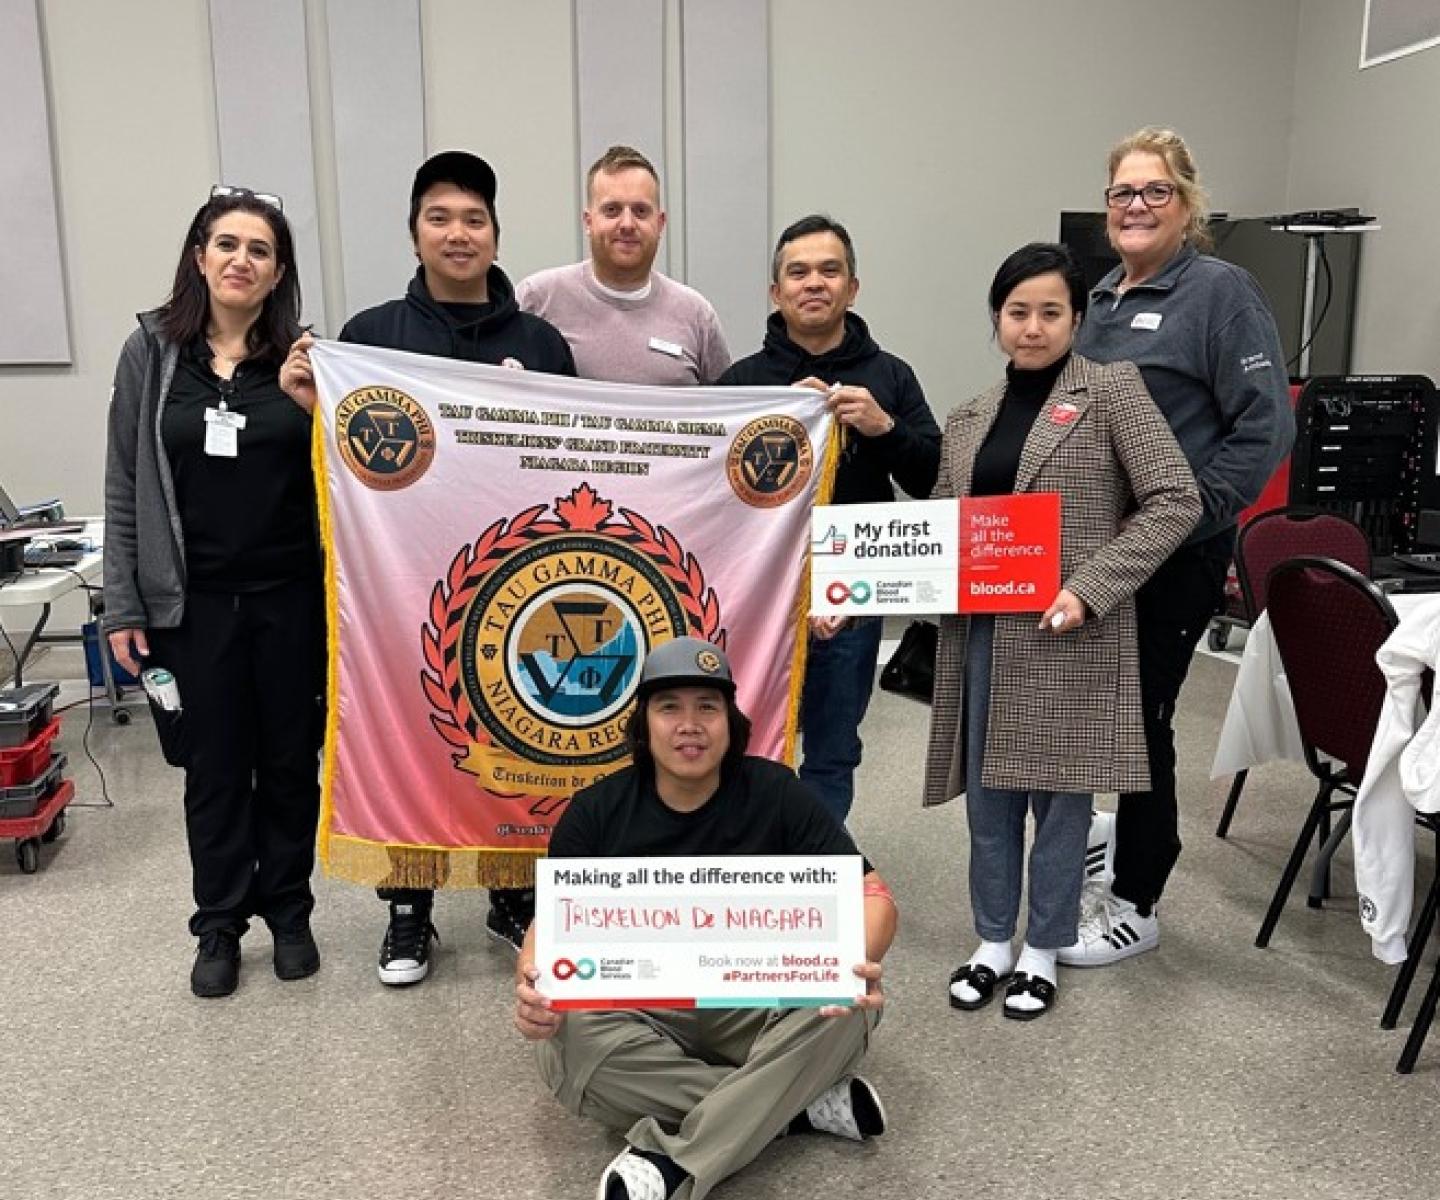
405 953
511 911
1111 932
633 1175
505 928
851 1109
1100 849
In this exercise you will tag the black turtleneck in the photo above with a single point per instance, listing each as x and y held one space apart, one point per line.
999 456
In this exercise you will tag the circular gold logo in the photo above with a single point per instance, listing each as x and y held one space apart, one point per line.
385 437
708 661
770 461
552 644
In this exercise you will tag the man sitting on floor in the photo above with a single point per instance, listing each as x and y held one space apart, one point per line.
699 1093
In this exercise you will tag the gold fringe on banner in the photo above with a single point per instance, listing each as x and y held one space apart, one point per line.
824 488
376 863
430 867
332 634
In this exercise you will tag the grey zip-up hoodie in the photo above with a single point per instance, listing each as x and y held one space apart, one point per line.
1202 334
144 547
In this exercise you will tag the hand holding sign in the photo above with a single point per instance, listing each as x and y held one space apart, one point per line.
1067 611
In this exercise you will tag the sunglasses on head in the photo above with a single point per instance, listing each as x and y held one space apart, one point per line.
221 191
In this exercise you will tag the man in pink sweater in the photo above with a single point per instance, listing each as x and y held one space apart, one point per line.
625 321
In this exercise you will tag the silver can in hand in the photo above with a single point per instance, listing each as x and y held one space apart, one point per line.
162 689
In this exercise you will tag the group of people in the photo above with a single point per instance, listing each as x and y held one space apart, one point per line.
1156 405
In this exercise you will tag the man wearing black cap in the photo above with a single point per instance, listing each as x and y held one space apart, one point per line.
460 304
699 1093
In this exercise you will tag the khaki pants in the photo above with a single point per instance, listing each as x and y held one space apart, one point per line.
711 1088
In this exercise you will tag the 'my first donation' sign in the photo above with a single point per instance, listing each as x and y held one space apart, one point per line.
736 932
977 554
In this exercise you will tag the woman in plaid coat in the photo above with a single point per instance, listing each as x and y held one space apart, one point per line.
1038 715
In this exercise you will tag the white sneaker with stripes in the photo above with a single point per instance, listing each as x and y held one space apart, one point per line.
1112 930
1100 849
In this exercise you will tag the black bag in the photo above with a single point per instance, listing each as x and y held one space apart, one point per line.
911 669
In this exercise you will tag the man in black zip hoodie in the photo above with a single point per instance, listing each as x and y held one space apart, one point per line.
460 304
890 437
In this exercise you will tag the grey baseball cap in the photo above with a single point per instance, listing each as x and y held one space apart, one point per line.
685 662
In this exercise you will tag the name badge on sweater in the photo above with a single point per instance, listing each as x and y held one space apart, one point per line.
1147 320
670 348
222 432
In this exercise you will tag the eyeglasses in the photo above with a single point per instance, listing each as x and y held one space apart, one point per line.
221 191
1152 195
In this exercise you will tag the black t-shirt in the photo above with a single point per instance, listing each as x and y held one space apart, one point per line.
249 521
761 807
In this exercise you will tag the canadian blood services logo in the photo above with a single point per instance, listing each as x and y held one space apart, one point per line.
536 636
839 592
565 969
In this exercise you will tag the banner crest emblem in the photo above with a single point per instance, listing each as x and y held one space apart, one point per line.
537 633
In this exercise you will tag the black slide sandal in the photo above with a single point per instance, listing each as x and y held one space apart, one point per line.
979 977
1022 984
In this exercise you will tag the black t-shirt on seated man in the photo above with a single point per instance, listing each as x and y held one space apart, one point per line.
761 807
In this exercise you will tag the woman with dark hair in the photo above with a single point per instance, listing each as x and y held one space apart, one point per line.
1035 716
212 572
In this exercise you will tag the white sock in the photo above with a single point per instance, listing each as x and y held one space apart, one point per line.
1041 965
998 956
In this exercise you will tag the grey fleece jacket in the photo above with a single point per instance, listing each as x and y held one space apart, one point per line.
1202 334
144 547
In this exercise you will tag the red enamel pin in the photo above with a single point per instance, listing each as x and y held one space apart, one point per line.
1064 412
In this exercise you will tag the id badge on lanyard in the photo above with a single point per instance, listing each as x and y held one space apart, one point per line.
222 431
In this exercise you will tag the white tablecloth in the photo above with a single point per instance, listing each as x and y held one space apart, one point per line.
1260 724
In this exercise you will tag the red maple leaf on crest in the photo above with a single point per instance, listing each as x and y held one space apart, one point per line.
583 509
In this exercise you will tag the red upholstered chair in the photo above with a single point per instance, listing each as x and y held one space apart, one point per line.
1328 621
1266 541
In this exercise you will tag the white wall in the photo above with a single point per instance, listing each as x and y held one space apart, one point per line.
943 133
1369 138
132 111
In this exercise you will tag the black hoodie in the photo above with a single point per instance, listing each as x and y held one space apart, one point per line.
909 453
418 323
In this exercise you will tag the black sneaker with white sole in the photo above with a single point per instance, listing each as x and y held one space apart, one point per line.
405 953
511 911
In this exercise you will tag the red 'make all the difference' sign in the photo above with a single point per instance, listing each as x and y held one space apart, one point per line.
1009 552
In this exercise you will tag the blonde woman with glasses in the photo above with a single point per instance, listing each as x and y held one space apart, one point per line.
1203 336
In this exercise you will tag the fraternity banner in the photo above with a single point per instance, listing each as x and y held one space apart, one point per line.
502 550
736 932
976 554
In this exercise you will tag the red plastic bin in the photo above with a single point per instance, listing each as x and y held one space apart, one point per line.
20 765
